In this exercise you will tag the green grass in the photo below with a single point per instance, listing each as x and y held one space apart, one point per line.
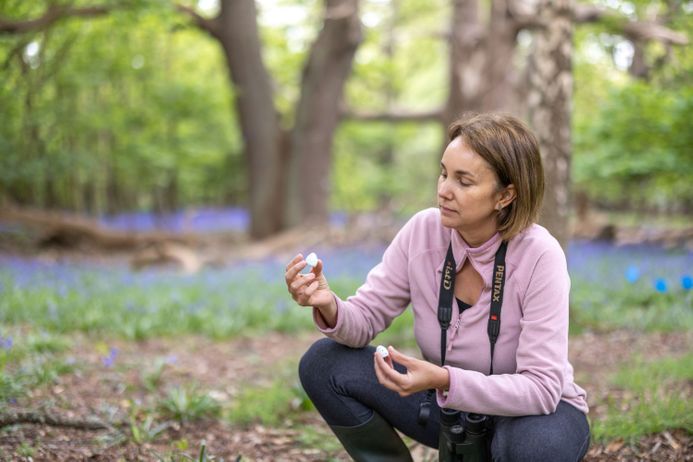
636 307
317 438
34 359
270 404
656 397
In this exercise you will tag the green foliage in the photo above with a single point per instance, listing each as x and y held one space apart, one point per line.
377 162
638 148
175 456
152 377
632 137
269 404
656 397
187 404
29 360
18 379
134 109
26 450
318 438
136 117
147 430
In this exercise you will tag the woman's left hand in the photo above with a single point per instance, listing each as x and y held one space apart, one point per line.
420 375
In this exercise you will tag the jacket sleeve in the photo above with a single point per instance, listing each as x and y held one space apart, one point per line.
537 385
384 296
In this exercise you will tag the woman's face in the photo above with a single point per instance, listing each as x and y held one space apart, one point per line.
468 192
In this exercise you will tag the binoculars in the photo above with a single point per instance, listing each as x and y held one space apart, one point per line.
463 437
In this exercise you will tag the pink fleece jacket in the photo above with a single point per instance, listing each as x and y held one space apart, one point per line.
531 368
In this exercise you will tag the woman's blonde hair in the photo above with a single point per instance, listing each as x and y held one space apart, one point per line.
512 151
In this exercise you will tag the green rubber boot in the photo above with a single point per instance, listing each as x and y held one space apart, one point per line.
373 441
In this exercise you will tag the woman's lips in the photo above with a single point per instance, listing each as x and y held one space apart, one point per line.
446 210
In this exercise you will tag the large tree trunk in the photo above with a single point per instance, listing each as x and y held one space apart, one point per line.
238 33
500 75
317 114
483 76
467 58
550 91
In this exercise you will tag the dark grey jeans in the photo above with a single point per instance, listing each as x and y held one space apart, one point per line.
342 384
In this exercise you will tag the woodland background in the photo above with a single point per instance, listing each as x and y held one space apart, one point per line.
160 161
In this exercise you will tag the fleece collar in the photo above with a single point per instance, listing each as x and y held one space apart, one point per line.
482 257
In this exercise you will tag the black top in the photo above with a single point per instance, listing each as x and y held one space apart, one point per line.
462 305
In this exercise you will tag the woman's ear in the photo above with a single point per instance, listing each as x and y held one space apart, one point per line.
506 196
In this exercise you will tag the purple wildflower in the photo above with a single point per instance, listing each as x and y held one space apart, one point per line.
109 360
6 343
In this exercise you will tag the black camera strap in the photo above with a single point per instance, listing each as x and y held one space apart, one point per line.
447 294
445 299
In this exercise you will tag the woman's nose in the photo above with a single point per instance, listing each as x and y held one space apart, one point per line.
443 189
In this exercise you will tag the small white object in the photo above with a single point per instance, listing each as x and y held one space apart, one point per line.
312 259
382 351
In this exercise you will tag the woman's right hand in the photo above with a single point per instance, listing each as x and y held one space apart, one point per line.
310 289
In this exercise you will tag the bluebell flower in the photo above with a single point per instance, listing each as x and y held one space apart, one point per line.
632 274
660 285
109 360
687 282
6 343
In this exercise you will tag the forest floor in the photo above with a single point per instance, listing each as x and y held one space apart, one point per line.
225 367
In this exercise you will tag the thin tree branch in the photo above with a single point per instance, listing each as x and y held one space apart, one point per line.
53 14
206 24
632 30
647 30
435 115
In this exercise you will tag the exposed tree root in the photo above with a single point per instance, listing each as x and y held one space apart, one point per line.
31 417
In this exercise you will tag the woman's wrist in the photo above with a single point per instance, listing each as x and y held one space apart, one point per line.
328 314
442 379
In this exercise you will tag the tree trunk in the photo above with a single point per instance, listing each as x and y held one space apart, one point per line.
500 75
550 91
467 58
317 114
239 37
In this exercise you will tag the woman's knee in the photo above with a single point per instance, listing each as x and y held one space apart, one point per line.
538 438
312 368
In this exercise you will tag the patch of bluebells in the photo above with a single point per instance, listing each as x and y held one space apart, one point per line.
198 220
601 264
596 263
112 298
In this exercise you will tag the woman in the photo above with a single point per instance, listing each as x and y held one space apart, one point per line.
490 190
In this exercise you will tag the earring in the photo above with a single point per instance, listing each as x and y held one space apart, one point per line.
499 207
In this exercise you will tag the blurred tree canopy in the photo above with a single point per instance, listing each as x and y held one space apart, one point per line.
131 108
